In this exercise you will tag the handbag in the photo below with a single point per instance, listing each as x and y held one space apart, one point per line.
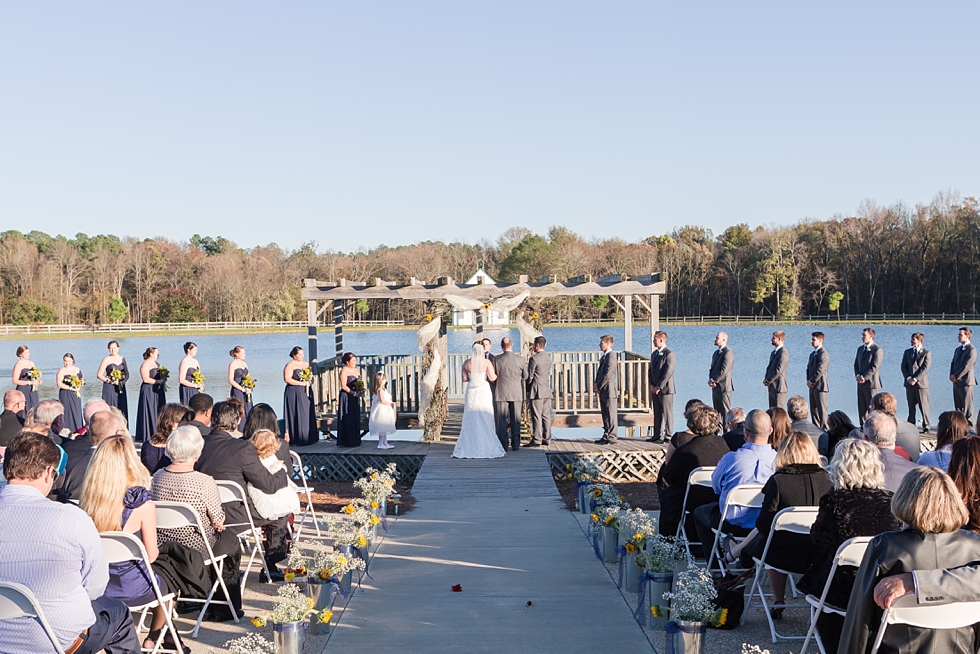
731 599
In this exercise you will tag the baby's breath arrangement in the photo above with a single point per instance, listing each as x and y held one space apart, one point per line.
378 485
582 471
663 553
692 599
296 564
249 644
635 527
753 649
607 516
603 494
291 605
329 564
348 532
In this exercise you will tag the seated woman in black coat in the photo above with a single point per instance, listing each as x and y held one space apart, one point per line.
799 480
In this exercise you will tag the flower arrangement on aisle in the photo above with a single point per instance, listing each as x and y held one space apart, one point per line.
291 605
198 378
248 644
297 563
34 375
584 471
334 564
692 599
306 375
603 495
607 515
116 378
163 374
663 554
635 527
378 485
753 649
248 383
75 383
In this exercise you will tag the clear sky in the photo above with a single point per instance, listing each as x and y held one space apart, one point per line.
360 123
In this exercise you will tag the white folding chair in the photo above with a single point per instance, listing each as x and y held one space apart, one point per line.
308 511
173 515
747 496
119 547
248 534
907 610
17 601
698 477
850 552
795 520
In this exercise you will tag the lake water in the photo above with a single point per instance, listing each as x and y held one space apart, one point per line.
268 353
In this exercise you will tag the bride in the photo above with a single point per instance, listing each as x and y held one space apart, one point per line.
478 437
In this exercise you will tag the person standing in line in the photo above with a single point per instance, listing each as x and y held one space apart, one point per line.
915 370
867 364
606 386
508 394
539 393
817 373
113 389
663 361
961 373
20 378
720 376
775 379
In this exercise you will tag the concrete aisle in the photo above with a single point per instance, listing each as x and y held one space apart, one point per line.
531 582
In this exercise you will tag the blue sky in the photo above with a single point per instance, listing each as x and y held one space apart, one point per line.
360 123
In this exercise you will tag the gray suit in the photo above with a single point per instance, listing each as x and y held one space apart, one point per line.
722 363
895 468
962 367
820 438
867 363
817 370
915 365
508 397
776 377
539 395
607 383
662 364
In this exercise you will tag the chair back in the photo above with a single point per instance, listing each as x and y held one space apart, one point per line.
17 601
120 546
795 519
231 491
851 552
700 476
298 464
907 610
173 515
747 496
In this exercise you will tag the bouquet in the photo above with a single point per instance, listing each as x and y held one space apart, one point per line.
249 644
335 564
662 553
163 374
607 515
198 378
635 527
291 605
693 598
604 495
75 383
34 375
305 375
583 472
296 564
358 388
378 485
248 383
117 378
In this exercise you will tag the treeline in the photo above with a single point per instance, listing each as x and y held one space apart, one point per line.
896 259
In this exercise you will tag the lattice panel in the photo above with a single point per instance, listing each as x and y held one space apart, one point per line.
639 465
927 444
350 467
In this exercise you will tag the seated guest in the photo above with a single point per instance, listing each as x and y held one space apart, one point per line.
734 435
907 436
102 425
839 428
704 450
799 412
964 469
284 501
681 437
799 480
928 503
79 443
154 454
262 416
202 412
55 550
116 495
750 464
857 506
10 421
179 482
879 430
781 426
47 418
238 404
952 427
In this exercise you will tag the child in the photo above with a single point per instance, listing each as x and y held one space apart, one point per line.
285 500
382 420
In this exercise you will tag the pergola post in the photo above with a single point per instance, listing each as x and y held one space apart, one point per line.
628 312
311 328
654 316
338 326
478 317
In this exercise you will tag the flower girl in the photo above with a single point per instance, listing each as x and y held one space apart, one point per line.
285 500
382 420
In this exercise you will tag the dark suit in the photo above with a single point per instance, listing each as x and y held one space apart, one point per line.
817 372
662 364
76 447
722 363
508 397
776 377
10 426
962 368
539 394
201 427
71 483
867 363
607 383
915 365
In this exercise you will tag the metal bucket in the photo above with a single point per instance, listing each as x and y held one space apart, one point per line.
289 637
632 573
610 540
689 638
660 583
345 582
583 501
321 592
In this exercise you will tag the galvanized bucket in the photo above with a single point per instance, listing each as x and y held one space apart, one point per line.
289 637
583 500
321 592
610 541
632 573
660 583
689 638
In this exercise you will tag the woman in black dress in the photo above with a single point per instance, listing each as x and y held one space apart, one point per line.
152 395
21 381
185 374
298 410
69 397
237 371
349 404
114 392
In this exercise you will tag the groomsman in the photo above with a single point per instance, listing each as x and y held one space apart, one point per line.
606 387
720 376
539 393
867 363
961 373
817 372
775 379
915 370
662 364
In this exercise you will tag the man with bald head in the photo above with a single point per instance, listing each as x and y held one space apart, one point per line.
102 425
720 376
10 421
80 442
750 464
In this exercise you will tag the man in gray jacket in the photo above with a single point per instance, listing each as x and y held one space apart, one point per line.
915 371
508 396
720 376
879 429
662 364
817 373
606 386
867 364
539 393
775 379
961 373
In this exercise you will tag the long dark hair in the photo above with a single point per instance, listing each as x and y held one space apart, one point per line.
964 468
262 416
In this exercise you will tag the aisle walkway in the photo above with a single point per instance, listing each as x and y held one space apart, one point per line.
530 582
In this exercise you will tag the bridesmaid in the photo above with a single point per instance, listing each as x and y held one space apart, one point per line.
151 393
114 393
188 366
298 411
349 404
237 370
67 395
21 382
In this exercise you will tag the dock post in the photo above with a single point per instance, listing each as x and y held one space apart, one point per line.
311 328
628 312
338 326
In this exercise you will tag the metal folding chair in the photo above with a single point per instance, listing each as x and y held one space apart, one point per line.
850 552
17 601
248 534
698 477
747 496
308 511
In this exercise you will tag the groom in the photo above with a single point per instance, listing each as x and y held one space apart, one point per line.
508 396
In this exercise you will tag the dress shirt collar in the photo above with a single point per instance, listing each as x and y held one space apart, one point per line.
777 348
23 492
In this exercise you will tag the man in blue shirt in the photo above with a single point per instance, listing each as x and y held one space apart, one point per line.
750 464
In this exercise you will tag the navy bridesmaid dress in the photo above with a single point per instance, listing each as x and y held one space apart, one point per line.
116 395
299 414
30 392
149 407
73 408
187 392
349 417
245 399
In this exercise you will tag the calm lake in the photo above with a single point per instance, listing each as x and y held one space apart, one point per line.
268 353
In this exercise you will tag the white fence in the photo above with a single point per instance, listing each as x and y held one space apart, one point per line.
297 325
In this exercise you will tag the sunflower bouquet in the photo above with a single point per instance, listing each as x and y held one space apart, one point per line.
358 388
348 532
248 383
296 564
198 378
692 599
305 375
583 471
603 495
75 383
163 374
635 527
291 605
34 375
117 378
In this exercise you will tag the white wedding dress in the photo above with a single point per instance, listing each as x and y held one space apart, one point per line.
478 437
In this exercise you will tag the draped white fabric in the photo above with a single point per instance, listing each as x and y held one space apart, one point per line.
426 333
527 331
500 304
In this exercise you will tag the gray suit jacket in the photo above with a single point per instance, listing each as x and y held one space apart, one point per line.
868 363
817 369
662 370
607 375
539 376
722 363
916 365
819 437
511 374
776 370
895 468
960 584
962 366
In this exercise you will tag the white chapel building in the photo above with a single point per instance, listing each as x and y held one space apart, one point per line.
492 318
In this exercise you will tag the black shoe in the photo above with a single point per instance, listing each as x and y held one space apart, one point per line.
925 430
277 577
654 440
532 444
603 441
546 444
777 614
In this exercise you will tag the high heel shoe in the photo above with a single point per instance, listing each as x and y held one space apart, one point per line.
777 614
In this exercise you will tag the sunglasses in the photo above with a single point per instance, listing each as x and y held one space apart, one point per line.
54 474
